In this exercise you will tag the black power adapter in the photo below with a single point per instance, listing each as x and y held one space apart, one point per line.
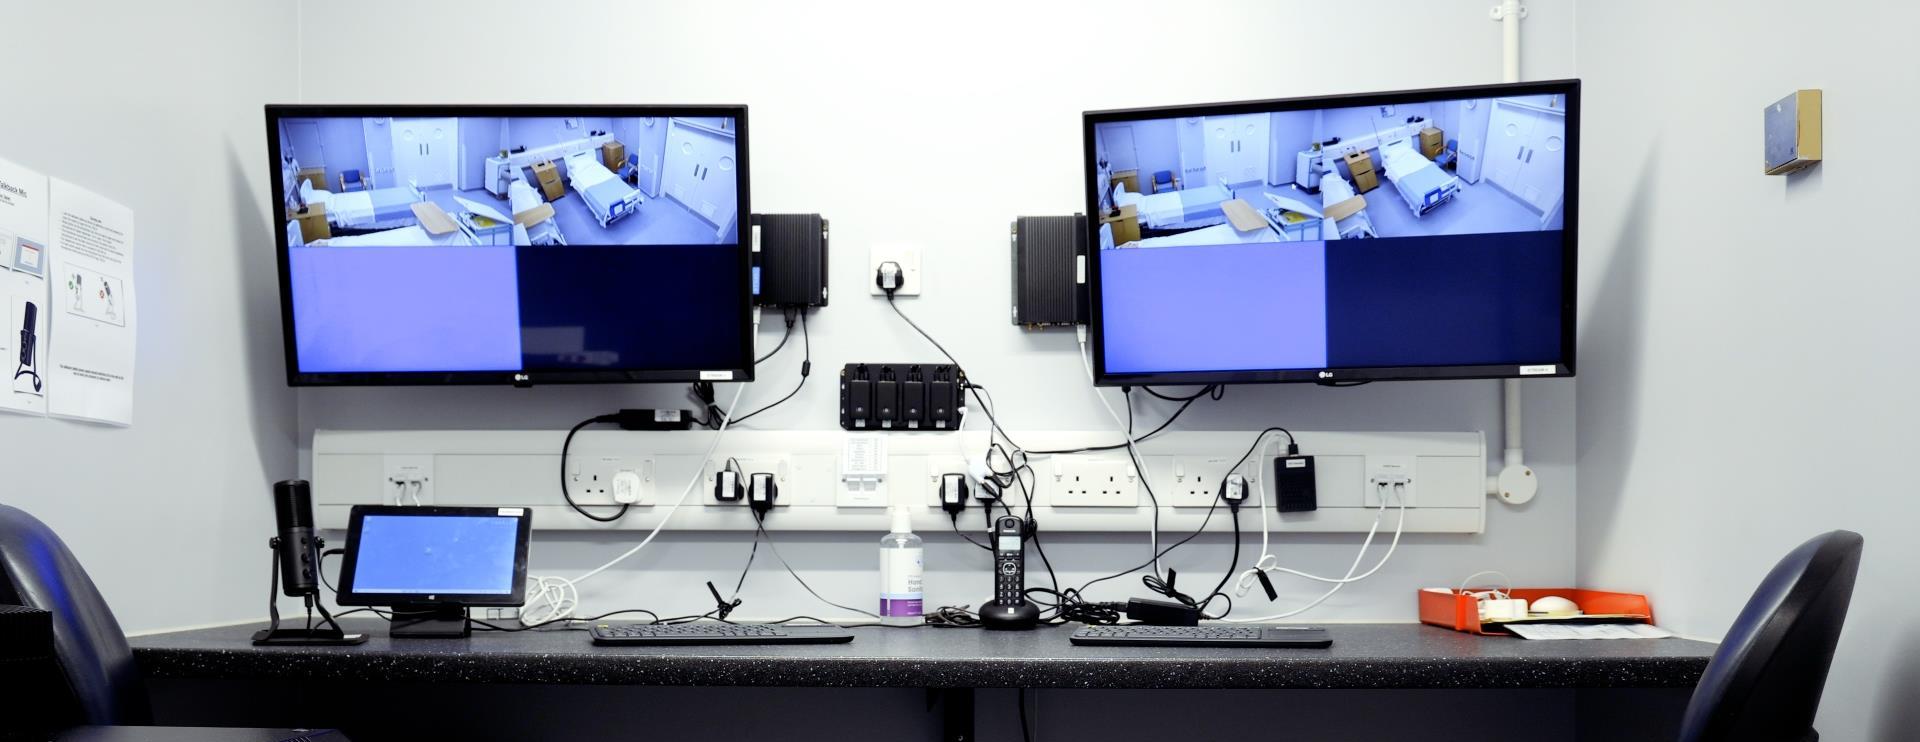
1162 612
1293 483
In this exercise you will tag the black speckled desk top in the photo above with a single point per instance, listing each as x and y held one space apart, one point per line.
1362 656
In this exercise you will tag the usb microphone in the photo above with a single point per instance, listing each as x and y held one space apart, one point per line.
296 556
299 548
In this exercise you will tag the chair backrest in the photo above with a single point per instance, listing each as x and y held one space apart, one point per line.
1764 683
1163 177
37 570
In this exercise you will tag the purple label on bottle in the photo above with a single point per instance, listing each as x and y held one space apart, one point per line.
900 607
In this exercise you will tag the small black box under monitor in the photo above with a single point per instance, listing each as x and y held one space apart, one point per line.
791 255
1294 488
1049 271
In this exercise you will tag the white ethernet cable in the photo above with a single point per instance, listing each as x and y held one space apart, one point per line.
558 596
1267 560
1153 529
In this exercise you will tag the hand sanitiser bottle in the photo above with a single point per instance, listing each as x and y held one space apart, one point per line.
900 573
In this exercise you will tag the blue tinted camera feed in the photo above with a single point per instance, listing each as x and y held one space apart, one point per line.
1407 235
476 244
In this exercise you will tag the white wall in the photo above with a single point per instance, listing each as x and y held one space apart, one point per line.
1748 341
938 126
161 111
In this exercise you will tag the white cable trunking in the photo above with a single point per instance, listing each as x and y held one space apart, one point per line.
1089 492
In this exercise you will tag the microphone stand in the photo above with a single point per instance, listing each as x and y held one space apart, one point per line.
328 633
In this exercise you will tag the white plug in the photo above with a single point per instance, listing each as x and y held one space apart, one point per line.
626 488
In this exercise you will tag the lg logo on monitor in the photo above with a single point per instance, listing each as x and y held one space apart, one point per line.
1326 374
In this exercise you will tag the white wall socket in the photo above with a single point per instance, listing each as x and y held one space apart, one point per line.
908 256
1086 482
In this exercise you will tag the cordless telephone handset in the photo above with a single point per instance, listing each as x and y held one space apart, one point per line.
1009 610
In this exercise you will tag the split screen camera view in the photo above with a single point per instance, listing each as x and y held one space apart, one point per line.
1389 235
471 243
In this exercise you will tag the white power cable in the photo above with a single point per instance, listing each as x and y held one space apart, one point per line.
1396 489
554 598
1153 529
558 596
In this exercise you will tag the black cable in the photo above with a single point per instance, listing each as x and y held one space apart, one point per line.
562 621
761 527
1165 587
1126 396
1069 606
1187 402
788 314
1211 390
568 495
955 519
923 333
806 369
751 553
972 388
953 617
1163 552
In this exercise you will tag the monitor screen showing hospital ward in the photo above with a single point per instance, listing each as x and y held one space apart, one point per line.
573 248
1403 238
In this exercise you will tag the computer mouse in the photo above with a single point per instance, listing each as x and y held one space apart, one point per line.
1554 605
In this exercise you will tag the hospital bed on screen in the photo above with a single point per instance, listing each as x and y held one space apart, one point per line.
1422 184
606 195
1186 208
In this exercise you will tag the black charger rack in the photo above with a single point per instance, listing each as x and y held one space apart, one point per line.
902 396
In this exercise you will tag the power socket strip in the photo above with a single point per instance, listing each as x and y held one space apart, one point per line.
1446 491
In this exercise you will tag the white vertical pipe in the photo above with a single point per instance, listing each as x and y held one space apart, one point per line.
1509 13
1510 399
1510 40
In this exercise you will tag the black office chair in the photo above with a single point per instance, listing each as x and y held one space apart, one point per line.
37 570
104 687
1764 683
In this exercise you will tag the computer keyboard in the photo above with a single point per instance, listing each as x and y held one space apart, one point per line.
715 633
1202 636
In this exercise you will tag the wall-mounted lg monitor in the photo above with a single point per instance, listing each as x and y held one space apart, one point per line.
1409 235
511 244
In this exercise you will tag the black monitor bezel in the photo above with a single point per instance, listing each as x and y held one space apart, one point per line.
351 558
1564 367
744 281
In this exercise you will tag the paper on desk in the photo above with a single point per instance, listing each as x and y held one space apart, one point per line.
1549 632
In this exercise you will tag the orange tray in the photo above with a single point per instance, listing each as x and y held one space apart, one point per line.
1461 612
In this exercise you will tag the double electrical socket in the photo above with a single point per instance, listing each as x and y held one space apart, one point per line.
1088 481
